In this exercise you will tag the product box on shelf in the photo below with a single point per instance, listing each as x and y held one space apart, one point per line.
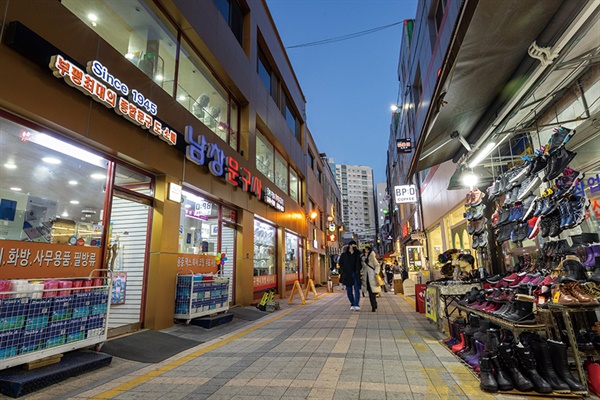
33 340
82 299
57 333
38 313
9 341
62 308
13 307
37 322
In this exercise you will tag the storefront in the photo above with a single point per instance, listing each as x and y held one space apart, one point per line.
293 258
104 152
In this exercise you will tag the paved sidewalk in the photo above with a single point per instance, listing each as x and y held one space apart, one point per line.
318 351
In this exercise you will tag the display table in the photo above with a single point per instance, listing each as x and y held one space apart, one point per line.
446 297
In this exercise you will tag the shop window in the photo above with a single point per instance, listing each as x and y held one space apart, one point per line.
51 191
264 156
311 160
265 274
202 95
290 118
233 14
281 172
294 186
291 257
133 30
200 225
133 180
267 75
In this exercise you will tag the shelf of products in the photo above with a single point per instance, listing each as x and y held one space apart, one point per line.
197 295
44 317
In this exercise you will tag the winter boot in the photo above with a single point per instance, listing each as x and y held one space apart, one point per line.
521 382
523 313
460 345
558 354
472 349
493 340
575 270
528 362
545 368
502 376
484 325
488 382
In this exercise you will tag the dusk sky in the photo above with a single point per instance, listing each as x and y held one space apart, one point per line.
349 85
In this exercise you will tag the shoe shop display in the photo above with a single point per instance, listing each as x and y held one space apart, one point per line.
527 360
560 362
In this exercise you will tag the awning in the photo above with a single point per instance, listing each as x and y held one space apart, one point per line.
488 63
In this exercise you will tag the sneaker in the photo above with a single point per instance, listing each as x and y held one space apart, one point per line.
495 217
504 215
529 186
534 227
544 226
494 190
483 239
549 206
518 213
477 212
554 229
476 197
538 163
578 206
564 209
356 308
468 199
567 182
559 138
520 174
519 233
528 207
475 242
479 226
559 160
471 228
539 206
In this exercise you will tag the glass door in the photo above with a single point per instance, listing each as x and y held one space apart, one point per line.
228 247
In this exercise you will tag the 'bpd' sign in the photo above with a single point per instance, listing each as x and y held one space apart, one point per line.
405 194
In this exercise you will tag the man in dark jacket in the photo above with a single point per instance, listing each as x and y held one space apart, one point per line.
350 267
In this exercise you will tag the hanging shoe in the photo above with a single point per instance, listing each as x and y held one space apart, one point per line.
578 206
529 206
534 227
559 138
561 159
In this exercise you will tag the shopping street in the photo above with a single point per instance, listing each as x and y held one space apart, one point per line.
318 351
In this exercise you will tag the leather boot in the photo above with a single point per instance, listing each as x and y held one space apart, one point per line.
558 354
521 382
493 340
528 362
575 271
545 368
523 313
487 381
580 294
502 377
563 297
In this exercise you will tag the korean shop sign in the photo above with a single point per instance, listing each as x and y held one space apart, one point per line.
31 260
403 146
108 90
200 152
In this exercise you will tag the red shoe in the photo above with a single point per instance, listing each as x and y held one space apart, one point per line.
511 277
459 346
593 373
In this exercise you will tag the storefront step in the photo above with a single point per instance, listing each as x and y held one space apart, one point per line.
212 321
16 382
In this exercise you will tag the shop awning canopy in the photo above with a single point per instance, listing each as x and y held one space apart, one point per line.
488 64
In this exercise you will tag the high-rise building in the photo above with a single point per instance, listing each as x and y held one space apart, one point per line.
358 204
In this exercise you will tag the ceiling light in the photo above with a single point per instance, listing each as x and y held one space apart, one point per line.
10 166
182 98
68 149
73 183
16 189
74 202
188 206
98 176
470 179
92 17
482 154
129 56
159 78
51 160
64 214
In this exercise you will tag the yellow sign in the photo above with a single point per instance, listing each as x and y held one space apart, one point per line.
431 303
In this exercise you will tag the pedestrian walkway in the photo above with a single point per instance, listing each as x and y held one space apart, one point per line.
318 351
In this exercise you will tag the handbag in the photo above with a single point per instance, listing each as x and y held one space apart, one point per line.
379 281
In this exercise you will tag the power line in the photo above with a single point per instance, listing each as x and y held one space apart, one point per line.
344 37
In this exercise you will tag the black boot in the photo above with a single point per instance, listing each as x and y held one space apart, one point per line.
472 349
528 362
493 340
523 313
545 368
596 275
480 335
575 271
521 382
488 382
558 354
502 378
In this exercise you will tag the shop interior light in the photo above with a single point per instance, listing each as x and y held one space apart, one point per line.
182 98
74 202
159 78
129 56
482 154
51 160
98 176
15 189
73 183
68 149
10 166
470 179
64 214
92 17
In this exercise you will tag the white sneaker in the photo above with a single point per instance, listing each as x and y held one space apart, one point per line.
356 308
351 308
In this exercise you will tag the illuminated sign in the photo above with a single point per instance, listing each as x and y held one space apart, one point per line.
331 237
403 146
140 111
200 152
405 194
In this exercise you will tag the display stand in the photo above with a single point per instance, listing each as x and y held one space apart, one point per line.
516 329
196 297
46 322
450 295
565 312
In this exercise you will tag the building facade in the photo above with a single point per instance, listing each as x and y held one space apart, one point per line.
156 138
358 202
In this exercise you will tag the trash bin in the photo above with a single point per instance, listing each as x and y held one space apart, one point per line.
420 298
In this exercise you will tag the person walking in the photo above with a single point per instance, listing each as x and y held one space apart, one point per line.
350 267
370 271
